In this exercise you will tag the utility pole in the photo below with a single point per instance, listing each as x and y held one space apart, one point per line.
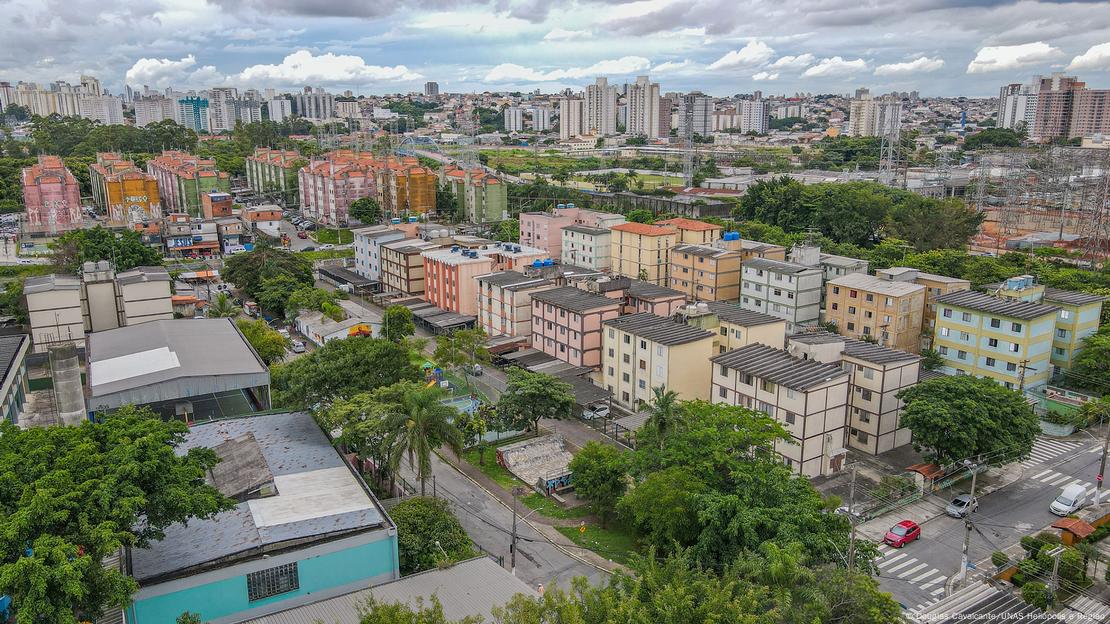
1054 583
967 523
1024 365
517 491
852 521
1102 467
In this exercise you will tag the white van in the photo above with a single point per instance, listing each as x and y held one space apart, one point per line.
1071 500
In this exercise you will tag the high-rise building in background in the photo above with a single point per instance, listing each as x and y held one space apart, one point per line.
247 111
755 116
221 108
665 105
572 118
514 119
91 86
192 112
150 110
106 109
1017 106
869 116
431 88
643 108
1063 108
541 118
279 109
314 105
695 110
601 108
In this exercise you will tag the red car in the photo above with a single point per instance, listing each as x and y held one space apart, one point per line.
302 234
902 533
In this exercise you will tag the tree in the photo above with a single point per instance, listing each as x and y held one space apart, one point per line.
268 343
312 298
931 359
965 417
397 323
340 369
508 231
996 137
474 425
428 535
275 292
662 411
599 473
462 348
124 249
73 495
17 113
641 215
421 424
223 307
189 617
661 509
247 270
1091 368
366 210
529 396
935 224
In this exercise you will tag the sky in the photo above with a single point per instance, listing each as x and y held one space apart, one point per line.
721 47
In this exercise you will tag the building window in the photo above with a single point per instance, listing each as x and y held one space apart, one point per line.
1014 347
851 309
610 371
1059 351
868 373
1061 333
643 365
851 326
789 393
627 339
766 386
611 332
1015 327
996 323
642 384
724 331
272 581
990 361
961 355
643 344
1011 366
964 336
862 437
1065 314
624 397
992 342
943 350
724 370
947 313
627 358
865 394
854 294
722 392
836 290
869 297
610 352
966 316
944 331
746 379
864 417
625 378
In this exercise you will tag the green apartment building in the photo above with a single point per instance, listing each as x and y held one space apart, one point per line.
271 170
479 196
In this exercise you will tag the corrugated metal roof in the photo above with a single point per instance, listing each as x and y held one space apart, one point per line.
974 300
574 299
777 266
780 367
647 290
863 281
733 313
510 278
658 329
859 349
1071 297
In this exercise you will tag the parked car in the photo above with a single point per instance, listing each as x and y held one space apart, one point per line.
1071 499
302 234
843 510
471 369
309 248
297 347
961 506
326 247
902 533
284 333
595 411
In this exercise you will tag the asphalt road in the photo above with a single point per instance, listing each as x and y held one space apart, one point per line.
917 574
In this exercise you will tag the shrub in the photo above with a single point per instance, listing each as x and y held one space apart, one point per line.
999 559
1036 594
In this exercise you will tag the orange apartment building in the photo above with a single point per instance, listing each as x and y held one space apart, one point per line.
123 192
450 272
404 186
692 231
935 286
705 273
889 312
505 302
642 251
402 265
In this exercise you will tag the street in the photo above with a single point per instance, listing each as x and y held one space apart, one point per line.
917 574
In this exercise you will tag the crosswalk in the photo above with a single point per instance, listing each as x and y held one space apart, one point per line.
1046 450
897 564
1056 479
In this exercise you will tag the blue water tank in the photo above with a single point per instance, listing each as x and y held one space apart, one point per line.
570 205
560 206
395 220
537 264
549 262
454 249
413 219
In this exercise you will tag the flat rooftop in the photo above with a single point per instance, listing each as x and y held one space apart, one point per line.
317 496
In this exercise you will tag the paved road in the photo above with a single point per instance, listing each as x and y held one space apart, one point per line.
917 574
296 244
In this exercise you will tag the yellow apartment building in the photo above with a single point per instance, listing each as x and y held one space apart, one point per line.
705 273
935 286
642 251
692 231
644 351
887 311
733 326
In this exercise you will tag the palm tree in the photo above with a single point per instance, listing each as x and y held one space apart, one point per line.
421 425
662 411
223 307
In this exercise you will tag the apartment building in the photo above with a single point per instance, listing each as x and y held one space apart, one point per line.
1009 341
887 311
52 197
153 109
636 295
479 196
644 351
182 178
601 108
586 247
935 286
1077 319
192 112
125 193
572 118
404 186
692 231
450 272
505 302
868 116
876 375
402 265
368 243
705 273
808 398
274 171
641 251
695 114
753 249
784 290
567 324
734 327
644 108
544 230
328 187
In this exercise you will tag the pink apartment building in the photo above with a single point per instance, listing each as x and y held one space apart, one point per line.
52 196
450 272
638 296
566 324
329 186
545 229
505 302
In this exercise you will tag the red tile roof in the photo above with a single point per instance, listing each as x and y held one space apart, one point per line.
643 229
683 223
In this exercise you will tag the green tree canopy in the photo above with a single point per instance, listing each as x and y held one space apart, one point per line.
397 323
529 396
275 293
935 224
600 475
662 508
247 270
420 423
223 307
267 342
340 369
124 249
428 535
366 210
966 417
1091 368
73 495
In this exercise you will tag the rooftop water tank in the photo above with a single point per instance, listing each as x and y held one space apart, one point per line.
413 219
395 220
703 307
570 205
454 249
549 262
537 264
560 206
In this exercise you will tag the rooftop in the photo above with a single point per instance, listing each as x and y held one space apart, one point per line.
974 300
1071 297
859 349
647 290
54 281
843 261
10 346
143 274
870 283
317 496
779 367
574 299
683 223
733 313
585 229
706 251
776 266
377 231
658 329
511 279
643 229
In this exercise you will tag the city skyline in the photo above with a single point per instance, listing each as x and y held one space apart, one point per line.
959 48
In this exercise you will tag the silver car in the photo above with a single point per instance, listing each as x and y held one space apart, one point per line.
961 506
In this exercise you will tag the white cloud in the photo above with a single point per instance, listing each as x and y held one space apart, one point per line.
765 76
922 64
1096 57
559 34
835 66
160 72
671 66
800 61
511 72
1004 58
753 54
302 67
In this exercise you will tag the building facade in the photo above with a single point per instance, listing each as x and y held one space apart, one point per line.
402 266
51 197
274 171
642 251
601 108
586 247
125 193
705 273
505 302
368 243
182 178
572 118
864 306
784 290
450 272
643 108
644 351
567 324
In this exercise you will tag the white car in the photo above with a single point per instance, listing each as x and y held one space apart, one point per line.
284 333
326 247
297 347
595 411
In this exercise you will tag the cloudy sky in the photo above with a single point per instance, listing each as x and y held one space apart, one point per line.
940 47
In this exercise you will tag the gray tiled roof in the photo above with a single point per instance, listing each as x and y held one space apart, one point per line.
860 349
647 290
1070 297
705 251
585 229
574 299
658 329
733 313
143 274
510 278
777 266
974 300
779 367
9 348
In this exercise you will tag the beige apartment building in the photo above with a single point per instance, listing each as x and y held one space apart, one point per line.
505 302
733 326
567 324
644 351
402 265
935 286
692 231
705 273
876 376
642 251
889 312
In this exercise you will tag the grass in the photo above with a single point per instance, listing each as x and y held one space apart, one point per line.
329 236
613 543
491 468
329 254
546 506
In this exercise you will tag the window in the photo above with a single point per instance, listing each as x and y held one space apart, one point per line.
643 365
272 581
944 331
626 358
943 350
868 373
625 378
624 397
643 344
947 313
865 395
722 392
627 339
961 355
836 290
659 349
789 393
1058 350
966 316
1065 314
992 342
964 336
724 370
851 326
866 331
766 386
990 361
790 417
862 437
610 352
851 309
869 297
1014 347
1015 327
835 306
746 379
611 373
1061 333
1011 367
996 323
724 331
864 417
642 384
612 333
854 294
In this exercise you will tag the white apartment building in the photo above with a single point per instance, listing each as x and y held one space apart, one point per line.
514 119
572 118
586 247
541 118
105 109
279 109
808 398
643 108
348 108
601 108
368 243
221 108
150 110
789 110
755 116
868 116
1017 105
505 302
784 290
695 114
643 351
